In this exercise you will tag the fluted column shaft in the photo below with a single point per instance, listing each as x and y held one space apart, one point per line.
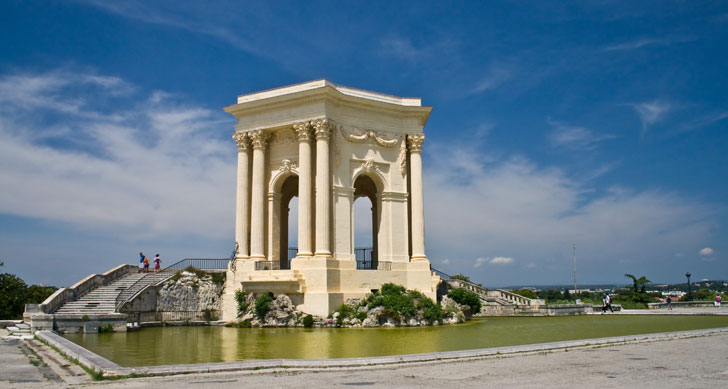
323 188
305 189
242 199
416 195
259 139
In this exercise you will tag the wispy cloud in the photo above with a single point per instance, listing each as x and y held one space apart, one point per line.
495 76
647 41
706 251
574 137
651 112
704 121
153 167
403 48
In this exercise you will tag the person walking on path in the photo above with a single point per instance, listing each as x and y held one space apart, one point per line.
146 265
717 301
669 303
157 263
141 262
608 303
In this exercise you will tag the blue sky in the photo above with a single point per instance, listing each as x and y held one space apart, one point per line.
603 124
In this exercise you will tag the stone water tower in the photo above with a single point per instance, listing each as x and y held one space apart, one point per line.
327 145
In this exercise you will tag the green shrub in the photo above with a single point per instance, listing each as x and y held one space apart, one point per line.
209 315
241 298
361 316
218 278
390 289
262 305
308 321
346 311
106 328
245 324
463 297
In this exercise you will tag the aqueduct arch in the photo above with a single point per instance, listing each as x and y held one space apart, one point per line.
327 145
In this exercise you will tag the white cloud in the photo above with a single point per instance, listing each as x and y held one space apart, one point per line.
445 261
152 168
480 262
501 261
651 112
706 251
574 137
479 202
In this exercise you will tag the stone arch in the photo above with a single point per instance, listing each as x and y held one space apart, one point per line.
278 178
365 185
370 170
283 188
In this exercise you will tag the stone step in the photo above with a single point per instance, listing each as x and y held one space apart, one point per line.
15 329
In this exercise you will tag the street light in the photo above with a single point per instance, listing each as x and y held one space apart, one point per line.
690 295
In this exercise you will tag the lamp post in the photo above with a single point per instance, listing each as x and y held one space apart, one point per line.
690 295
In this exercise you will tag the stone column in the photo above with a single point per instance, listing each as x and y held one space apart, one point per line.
242 200
305 189
322 128
418 209
259 140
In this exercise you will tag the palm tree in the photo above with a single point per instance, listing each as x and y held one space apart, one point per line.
638 283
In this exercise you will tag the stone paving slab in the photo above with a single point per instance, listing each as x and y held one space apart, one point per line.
97 362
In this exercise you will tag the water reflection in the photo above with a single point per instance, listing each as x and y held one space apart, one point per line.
177 345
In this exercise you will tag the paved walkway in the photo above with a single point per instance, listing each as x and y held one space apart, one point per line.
722 311
686 363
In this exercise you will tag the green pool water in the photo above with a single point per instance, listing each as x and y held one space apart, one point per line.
177 345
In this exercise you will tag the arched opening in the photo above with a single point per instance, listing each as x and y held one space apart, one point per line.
288 228
365 223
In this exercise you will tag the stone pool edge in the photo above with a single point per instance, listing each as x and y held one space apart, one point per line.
98 363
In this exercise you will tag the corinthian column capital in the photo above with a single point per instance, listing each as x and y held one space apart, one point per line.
259 139
322 128
241 139
303 131
415 141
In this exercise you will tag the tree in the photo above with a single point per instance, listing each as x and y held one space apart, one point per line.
12 296
461 277
638 283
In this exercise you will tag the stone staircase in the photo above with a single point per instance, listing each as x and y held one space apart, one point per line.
102 299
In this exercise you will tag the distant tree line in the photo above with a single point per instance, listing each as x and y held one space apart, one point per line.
632 297
15 293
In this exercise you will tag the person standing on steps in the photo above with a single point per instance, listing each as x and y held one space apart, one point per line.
157 263
141 262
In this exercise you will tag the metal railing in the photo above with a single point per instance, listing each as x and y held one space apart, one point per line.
501 296
151 279
369 265
444 276
200 263
167 316
292 253
267 265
